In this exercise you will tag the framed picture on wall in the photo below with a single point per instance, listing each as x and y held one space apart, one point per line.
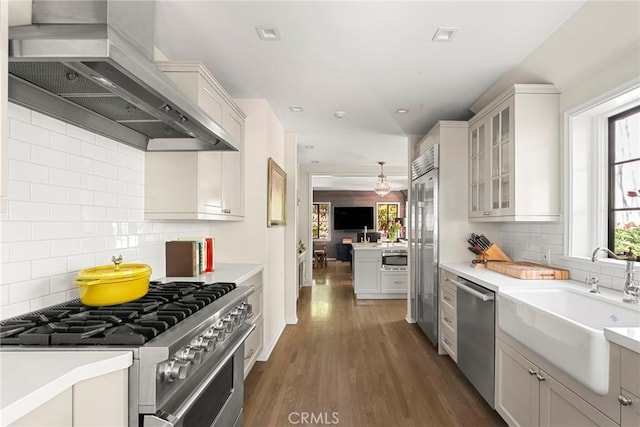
276 194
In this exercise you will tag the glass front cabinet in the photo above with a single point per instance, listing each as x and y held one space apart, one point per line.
514 157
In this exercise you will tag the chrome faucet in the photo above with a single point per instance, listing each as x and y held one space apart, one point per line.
631 287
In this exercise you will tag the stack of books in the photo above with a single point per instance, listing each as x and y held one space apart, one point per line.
189 257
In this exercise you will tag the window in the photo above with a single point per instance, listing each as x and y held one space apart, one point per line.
603 169
320 221
624 181
387 214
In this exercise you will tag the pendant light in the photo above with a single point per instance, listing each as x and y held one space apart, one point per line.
382 187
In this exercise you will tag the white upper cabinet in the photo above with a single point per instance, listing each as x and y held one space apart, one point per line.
207 185
514 156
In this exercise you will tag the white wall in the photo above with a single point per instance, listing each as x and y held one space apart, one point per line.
74 200
251 241
595 52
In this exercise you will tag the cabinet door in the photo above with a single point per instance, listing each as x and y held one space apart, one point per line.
477 171
393 282
630 414
210 182
517 388
233 167
559 406
366 276
56 412
501 159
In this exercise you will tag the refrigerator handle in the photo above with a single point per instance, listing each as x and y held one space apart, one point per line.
468 289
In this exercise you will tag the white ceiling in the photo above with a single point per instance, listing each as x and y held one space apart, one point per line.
366 58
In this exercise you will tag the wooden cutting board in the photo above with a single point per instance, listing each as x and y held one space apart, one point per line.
529 270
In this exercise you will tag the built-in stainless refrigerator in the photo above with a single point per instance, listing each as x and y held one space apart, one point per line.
424 241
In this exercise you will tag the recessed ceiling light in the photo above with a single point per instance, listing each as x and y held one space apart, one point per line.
309 147
402 111
296 109
444 34
268 32
339 114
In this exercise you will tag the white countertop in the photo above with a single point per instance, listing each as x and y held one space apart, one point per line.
378 246
628 337
31 378
225 272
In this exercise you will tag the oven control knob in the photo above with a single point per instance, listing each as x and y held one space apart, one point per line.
227 323
238 313
191 354
247 308
204 343
216 333
174 369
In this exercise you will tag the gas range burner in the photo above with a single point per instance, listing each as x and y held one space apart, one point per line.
132 323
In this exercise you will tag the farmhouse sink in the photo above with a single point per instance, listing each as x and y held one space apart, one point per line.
566 327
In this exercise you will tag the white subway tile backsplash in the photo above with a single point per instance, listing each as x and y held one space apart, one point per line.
65 178
48 122
117 158
66 143
23 171
72 294
92 182
27 132
94 152
94 244
28 211
106 199
117 214
66 247
107 143
66 212
80 262
47 193
79 164
15 231
31 250
107 170
19 112
49 267
48 300
62 282
93 213
11 310
127 175
82 229
4 296
18 150
49 230
76 132
48 157
30 289
76 196
16 272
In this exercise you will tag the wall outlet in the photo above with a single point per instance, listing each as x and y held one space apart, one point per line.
547 256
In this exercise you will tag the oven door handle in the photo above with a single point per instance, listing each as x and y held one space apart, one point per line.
165 419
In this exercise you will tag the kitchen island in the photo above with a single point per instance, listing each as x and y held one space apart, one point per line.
370 281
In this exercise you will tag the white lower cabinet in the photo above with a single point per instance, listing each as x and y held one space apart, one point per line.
102 401
630 389
528 396
366 272
393 282
254 343
448 325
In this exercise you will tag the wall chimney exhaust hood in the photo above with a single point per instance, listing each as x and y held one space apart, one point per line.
90 63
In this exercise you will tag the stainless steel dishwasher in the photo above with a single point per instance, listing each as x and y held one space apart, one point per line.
476 336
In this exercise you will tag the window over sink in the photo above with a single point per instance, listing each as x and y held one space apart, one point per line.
602 159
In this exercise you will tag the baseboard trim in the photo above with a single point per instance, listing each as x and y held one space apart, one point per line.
410 319
266 353
292 321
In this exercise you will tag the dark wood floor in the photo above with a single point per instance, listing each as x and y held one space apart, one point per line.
355 364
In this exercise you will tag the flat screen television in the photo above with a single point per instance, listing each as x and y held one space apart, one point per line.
352 218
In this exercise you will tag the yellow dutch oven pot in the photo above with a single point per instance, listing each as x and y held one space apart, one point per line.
113 284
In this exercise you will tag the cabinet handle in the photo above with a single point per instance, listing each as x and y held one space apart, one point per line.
447 298
532 372
446 341
540 377
624 400
227 211
248 356
446 279
446 319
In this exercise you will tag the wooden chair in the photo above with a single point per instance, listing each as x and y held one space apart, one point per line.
319 255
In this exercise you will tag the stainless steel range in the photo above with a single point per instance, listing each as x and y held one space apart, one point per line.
187 340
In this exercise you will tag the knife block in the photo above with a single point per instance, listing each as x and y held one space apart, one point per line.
493 253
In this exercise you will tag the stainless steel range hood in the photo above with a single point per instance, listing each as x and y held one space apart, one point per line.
90 63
